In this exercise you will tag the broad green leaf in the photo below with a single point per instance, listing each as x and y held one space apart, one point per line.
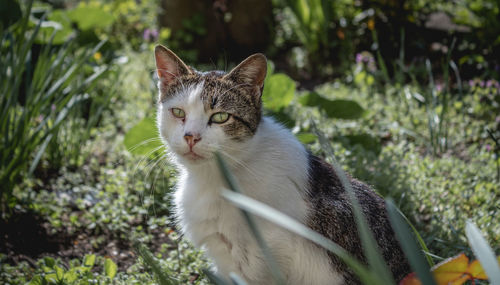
306 138
49 262
87 17
279 90
339 108
367 141
37 280
110 268
59 273
143 138
89 260
57 22
412 251
70 276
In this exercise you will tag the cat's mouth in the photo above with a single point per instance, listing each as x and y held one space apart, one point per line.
191 155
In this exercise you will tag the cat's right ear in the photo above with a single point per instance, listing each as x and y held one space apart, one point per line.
168 65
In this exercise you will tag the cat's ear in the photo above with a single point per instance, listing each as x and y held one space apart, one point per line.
251 71
168 65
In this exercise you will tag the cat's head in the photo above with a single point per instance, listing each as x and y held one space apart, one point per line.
203 112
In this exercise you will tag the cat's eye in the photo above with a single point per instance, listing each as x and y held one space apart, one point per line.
178 113
219 118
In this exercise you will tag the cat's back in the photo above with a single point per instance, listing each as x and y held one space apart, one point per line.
332 216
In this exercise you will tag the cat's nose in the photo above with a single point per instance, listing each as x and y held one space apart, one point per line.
191 139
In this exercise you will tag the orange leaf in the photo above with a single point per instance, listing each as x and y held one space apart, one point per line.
476 270
460 280
451 269
410 279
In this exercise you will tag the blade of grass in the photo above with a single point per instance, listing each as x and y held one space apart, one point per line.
39 154
231 181
409 246
370 247
147 256
420 240
215 278
483 252
264 211
237 280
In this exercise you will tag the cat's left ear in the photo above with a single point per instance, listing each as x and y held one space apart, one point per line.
168 65
251 71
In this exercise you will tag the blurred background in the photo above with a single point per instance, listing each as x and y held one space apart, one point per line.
407 92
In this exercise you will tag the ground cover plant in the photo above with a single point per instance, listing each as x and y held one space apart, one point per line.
86 188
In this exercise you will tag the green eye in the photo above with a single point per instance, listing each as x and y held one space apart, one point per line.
219 118
178 113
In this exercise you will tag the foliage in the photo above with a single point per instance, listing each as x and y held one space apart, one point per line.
379 117
143 138
76 274
40 90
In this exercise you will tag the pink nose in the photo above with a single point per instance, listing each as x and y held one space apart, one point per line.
192 139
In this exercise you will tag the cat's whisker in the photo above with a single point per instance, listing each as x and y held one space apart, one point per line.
134 147
144 157
241 163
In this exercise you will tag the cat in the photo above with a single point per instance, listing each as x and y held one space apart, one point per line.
200 113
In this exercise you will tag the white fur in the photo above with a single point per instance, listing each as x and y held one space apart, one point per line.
271 167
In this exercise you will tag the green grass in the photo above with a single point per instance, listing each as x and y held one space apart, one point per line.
127 197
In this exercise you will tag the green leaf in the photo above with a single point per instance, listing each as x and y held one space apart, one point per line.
340 108
150 261
483 252
410 248
143 138
279 90
37 280
306 137
59 273
366 141
58 25
110 268
89 260
70 276
87 17
49 262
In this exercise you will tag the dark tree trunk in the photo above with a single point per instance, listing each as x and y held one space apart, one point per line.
234 28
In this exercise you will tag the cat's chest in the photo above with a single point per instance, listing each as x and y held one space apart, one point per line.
205 215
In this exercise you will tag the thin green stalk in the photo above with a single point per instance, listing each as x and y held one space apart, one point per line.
370 247
271 261
408 244
380 59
